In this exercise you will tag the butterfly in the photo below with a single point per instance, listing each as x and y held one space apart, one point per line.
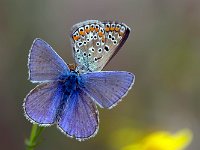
67 94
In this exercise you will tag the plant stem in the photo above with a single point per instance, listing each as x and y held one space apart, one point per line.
32 142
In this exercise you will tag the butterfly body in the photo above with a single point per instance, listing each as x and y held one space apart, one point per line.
67 94
69 82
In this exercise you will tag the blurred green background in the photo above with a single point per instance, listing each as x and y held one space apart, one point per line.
163 51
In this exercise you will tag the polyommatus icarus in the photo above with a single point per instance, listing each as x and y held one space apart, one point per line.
67 94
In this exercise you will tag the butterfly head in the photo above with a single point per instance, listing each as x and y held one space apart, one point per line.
72 67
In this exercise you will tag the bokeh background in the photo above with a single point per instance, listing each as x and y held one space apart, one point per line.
163 51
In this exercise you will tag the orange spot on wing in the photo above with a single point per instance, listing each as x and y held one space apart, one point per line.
75 37
91 29
96 29
107 29
100 34
82 32
87 30
117 29
112 29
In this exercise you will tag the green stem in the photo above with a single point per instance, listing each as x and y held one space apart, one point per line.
32 142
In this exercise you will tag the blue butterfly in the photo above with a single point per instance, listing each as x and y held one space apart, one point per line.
67 94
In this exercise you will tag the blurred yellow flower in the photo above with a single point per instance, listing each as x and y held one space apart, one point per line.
163 141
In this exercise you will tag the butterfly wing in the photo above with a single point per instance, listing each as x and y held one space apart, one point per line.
42 103
116 34
107 87
94 43
44 63
80 116
88 39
